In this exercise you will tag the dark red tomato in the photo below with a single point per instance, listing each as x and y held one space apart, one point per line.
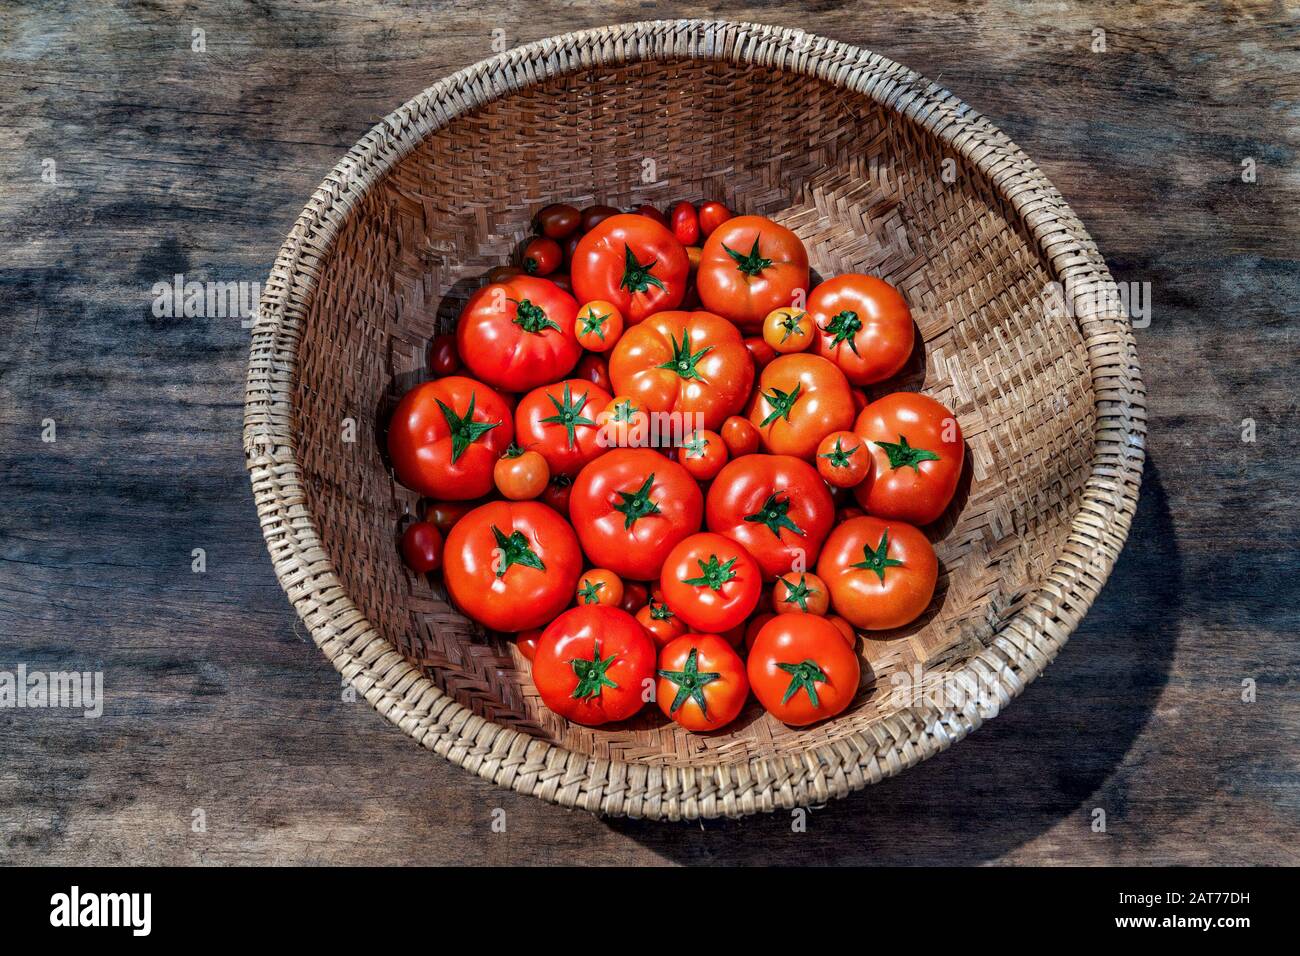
443 357
712 215
917 453
558 220
711 582
502 273
761 352
422 547
526 641
569 246
593 216
864 327
541 256
443 515
635 597
633 262
645 209
594 664
445 437
594 369
557 493
562 280
749 266
685 224
518 334
560 422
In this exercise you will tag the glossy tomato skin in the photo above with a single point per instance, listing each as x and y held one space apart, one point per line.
422 547
863 326
753 626
760 351
558 220
645 209
702 682
439 448
491 563
443 515
881 574
912 482
685 224
820 668
594 369
443 357
593 216
659 620
844 459
800 400
749 266
559 421
518 334
631 507
556 495
788 329
741 436
634 262
703 454
521 475
634 597
526 641
598 326
712 215
756 499
798 592
687 363
711 582
600 586
593 665
542 256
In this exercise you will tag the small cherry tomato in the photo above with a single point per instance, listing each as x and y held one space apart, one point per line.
598 326
711 216
624 423
593 216
760 351
881 574
541 256
843 459
569 246
801 669
502 273
443 357
659 620
600 586
635 597
593 665
711 582
594 369
422 547
798 593
702 682
703 454
741 436
788 329
556 495
754 626
558 220
645 209
443 515
526 641
685 224
521 475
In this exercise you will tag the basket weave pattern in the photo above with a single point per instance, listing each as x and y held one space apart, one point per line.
878 171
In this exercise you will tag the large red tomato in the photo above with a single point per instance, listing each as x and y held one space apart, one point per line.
634 262
881 574
561 422
702 682
800 400
688 363
594 664
445 437
863 326
802 670
518 334
511 565
917 452
749 266
711 582
777 506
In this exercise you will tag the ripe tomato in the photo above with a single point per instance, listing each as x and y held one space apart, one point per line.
755 625
633 262
623 422
593 216
702 682
500 274
788 329
518 334
864 327
445 437
599 586
511 565
593 665
712 215
850 636
843 459
800 593
521 475
559 421
687 363
541 256
703 454
761 353
443 357
917 452
526 641
711 582
881 574
631 507
800 400
592 368
557 493
659 620
801 669
599 324
443 515
422 547
558 220
645 209
634 597
776 506
561 281
741 436
685 224
750 266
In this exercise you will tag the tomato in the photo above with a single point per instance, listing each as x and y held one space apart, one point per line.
558 220
593 216
518 334
443 515
917 453
760 352
422 547
755 625
702 682
594 664
864 327
788 329
776 506
569 246
801 669
850 636
800 593
592 368
526 641
703 454
843 459
443 357
599 324
521 475
711 582
502 273
511 565
712 215
687 363
800 400
848 513
741 436
561 282
659 620
600 586
881 574
541 256
685 224
445 437
634 597
623 422
860 400
633 262
631 507
645 209
559 421
557 493
750 266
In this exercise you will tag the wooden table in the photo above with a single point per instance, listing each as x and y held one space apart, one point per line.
226 737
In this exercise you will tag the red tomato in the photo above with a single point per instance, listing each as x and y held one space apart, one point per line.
801 669
443 515
592 368
711 582
703 455
917 453
558 220
511 565
864 327
557 493
712 215
687 363
561 282
518 334
702 682
599 326
633 262
843 459
559 421
788 329
422 547
631 507
800 400
800 593
594 665
645 209
569 246
600 586
541 256
593 216
634 597
881 574
445 436
750 266
741 436
659 620
685 224
850 636
521 475
776 506
755 625
502 273
526 641
443 357
760 351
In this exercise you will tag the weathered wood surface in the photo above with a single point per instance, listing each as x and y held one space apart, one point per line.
173 161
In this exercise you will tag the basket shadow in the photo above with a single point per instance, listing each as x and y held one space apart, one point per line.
1019 776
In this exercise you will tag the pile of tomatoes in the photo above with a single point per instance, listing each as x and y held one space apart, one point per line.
647 454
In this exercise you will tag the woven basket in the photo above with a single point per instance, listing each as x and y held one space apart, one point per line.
879 171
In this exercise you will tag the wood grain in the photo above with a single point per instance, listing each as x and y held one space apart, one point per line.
171 161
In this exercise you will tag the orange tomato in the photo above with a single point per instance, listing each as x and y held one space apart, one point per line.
788 329
881 574
864 327
799 593
599 586
521 475
703 454
800 400
598 325
801 669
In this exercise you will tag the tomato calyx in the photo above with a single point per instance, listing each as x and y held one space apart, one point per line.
590 591
713 574
591 674
751 263
803 676
513 451
568 413
464 430
839 455
636 276
789 324
781 403
844 326
775 513
514 550
683 361
798 593
593 324
878 560
690 681
623 412
660 611
695 446
637 504
531 317
903 455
